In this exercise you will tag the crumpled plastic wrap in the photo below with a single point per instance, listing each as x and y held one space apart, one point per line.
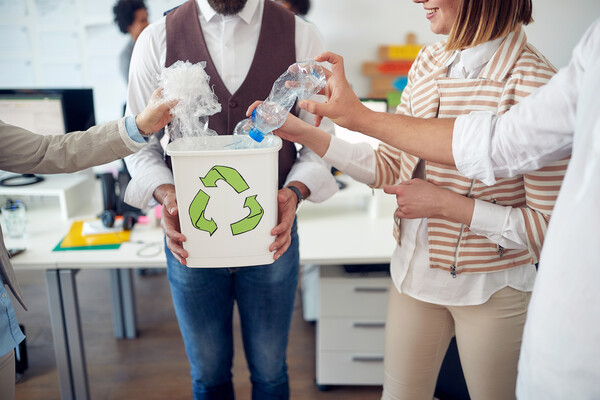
189 83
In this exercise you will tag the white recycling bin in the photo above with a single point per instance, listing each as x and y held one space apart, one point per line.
227 200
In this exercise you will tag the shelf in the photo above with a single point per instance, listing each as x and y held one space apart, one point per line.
72 190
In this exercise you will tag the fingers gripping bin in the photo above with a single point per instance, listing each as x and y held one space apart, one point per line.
227 200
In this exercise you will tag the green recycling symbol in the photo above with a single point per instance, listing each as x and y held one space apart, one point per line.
237 182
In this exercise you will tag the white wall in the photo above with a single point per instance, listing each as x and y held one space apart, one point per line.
355 28
70 43
67 43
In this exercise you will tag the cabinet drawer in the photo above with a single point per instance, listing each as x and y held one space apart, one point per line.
354 298
355 334
345 368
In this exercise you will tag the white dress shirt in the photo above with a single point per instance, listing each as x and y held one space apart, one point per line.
560 356
231 41
410 262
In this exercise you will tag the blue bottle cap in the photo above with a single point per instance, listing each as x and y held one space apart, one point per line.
257 135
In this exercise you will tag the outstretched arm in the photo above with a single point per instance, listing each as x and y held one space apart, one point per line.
430 139
28 152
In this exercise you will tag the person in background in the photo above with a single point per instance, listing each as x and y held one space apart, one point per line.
466 254
560 352
246 45
298 7
132 17
26 152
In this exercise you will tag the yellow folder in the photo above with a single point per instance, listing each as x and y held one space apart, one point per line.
75 239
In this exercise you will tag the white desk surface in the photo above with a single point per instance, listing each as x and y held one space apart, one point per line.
353 227
46 228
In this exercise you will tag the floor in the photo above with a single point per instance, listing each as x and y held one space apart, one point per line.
154 365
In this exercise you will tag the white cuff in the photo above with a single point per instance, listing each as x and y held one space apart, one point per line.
471 141
489 219
354 159
320 189
129 142
503 225
140 194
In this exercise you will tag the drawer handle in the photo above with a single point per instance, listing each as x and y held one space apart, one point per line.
369 324
370 289
367 358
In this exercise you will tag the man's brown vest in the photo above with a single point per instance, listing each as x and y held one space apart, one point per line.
275 51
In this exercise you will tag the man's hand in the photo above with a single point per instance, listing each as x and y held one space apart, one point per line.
170 224
343 107
156 115
287 203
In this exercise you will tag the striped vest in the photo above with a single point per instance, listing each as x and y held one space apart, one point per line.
513 72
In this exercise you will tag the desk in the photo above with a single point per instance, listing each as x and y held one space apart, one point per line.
45 228
350 228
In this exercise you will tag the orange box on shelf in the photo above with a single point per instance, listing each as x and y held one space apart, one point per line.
398 67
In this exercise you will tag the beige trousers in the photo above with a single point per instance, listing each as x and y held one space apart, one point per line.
7 376
488 338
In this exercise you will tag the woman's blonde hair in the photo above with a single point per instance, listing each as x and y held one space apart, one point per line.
479 21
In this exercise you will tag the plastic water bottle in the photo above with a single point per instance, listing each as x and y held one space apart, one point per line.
304 79
13 216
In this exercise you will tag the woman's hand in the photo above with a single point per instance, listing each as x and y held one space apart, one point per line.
416 199
343 107
293 129
420 199
290 130
298 131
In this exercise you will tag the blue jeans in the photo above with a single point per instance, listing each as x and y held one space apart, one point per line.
203 299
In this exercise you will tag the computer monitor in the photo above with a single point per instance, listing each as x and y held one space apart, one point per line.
379 105
40 114
46 112
77 104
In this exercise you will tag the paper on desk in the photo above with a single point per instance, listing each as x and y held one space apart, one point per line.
96 227
74 238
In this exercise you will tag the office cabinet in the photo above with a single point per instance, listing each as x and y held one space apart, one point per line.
351 326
